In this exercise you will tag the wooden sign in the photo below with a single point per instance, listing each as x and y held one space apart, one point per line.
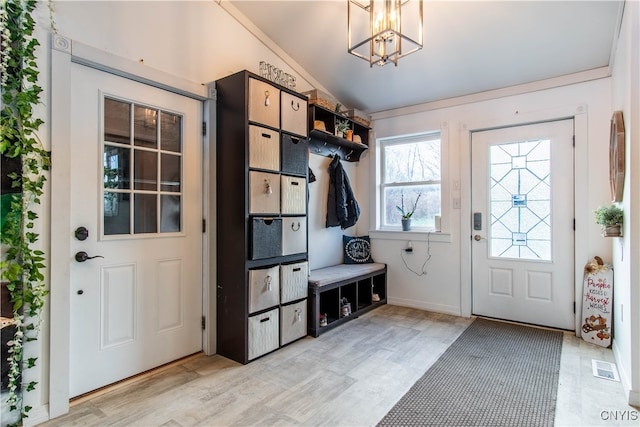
276 75
597 303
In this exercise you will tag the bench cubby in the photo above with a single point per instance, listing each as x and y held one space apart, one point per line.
358 283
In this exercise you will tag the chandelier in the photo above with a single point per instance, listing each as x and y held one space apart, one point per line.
383 31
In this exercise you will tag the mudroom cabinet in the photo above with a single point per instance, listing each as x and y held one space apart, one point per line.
261 196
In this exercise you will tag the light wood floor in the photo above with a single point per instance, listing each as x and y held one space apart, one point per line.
350 376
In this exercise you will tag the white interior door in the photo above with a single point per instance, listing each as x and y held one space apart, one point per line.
137 190
522 207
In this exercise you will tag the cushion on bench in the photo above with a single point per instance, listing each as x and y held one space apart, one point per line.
336 273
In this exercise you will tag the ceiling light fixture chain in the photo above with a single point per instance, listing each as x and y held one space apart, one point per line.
375 30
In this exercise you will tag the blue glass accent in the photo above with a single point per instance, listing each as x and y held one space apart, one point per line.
519 239
519 200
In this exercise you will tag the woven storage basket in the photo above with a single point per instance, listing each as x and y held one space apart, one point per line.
322 99
359 117
294 154
266 238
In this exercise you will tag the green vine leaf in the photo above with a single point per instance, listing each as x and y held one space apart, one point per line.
22 265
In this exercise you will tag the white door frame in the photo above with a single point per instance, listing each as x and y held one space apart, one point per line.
64 52
581 253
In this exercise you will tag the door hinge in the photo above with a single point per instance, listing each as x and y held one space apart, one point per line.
204 225
574 224
204 322
574 307
204 128
574 141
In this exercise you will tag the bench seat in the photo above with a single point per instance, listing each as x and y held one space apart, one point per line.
342 272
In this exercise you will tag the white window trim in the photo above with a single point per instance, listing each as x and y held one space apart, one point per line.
444 182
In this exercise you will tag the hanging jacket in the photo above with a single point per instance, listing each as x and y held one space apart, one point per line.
342 207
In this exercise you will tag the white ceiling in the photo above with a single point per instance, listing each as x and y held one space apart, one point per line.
469 47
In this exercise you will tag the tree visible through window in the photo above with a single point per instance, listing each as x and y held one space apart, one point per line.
411 166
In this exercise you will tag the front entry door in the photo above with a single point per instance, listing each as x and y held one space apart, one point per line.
522 224
136 254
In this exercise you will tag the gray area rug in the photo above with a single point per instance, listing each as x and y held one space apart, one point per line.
494 374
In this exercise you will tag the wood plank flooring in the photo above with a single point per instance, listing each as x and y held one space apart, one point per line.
350 376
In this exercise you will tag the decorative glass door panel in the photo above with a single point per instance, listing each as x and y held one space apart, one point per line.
142 178
520 200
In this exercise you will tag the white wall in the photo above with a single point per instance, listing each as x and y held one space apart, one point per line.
445 286
626 250
196 40
325 244
200 42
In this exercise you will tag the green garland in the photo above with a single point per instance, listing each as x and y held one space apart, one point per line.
22 264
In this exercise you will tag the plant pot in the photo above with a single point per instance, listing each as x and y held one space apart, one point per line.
406 224
612 230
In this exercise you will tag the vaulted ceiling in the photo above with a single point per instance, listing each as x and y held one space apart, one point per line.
470 47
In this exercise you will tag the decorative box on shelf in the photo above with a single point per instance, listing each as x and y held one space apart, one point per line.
318 97
359 117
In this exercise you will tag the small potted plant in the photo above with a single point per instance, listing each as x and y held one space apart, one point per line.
341 127
610 219
406 215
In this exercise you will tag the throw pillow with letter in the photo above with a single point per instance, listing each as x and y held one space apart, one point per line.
357 250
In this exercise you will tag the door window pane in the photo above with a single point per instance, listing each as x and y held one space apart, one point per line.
170 173
117 120
145 123
170 214
520 200
116 167
145 170
116 213
171 134
146 213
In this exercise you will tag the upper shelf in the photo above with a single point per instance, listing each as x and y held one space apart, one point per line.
324 141
326 144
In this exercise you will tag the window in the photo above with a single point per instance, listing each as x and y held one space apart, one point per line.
410 172
142 157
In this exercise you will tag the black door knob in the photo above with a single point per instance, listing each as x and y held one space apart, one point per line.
82 256
80 292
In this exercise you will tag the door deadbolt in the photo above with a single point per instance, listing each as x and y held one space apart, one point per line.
81 233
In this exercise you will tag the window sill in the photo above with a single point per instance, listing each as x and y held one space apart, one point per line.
416 235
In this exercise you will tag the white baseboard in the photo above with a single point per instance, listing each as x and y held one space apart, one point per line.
437 308
633 396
